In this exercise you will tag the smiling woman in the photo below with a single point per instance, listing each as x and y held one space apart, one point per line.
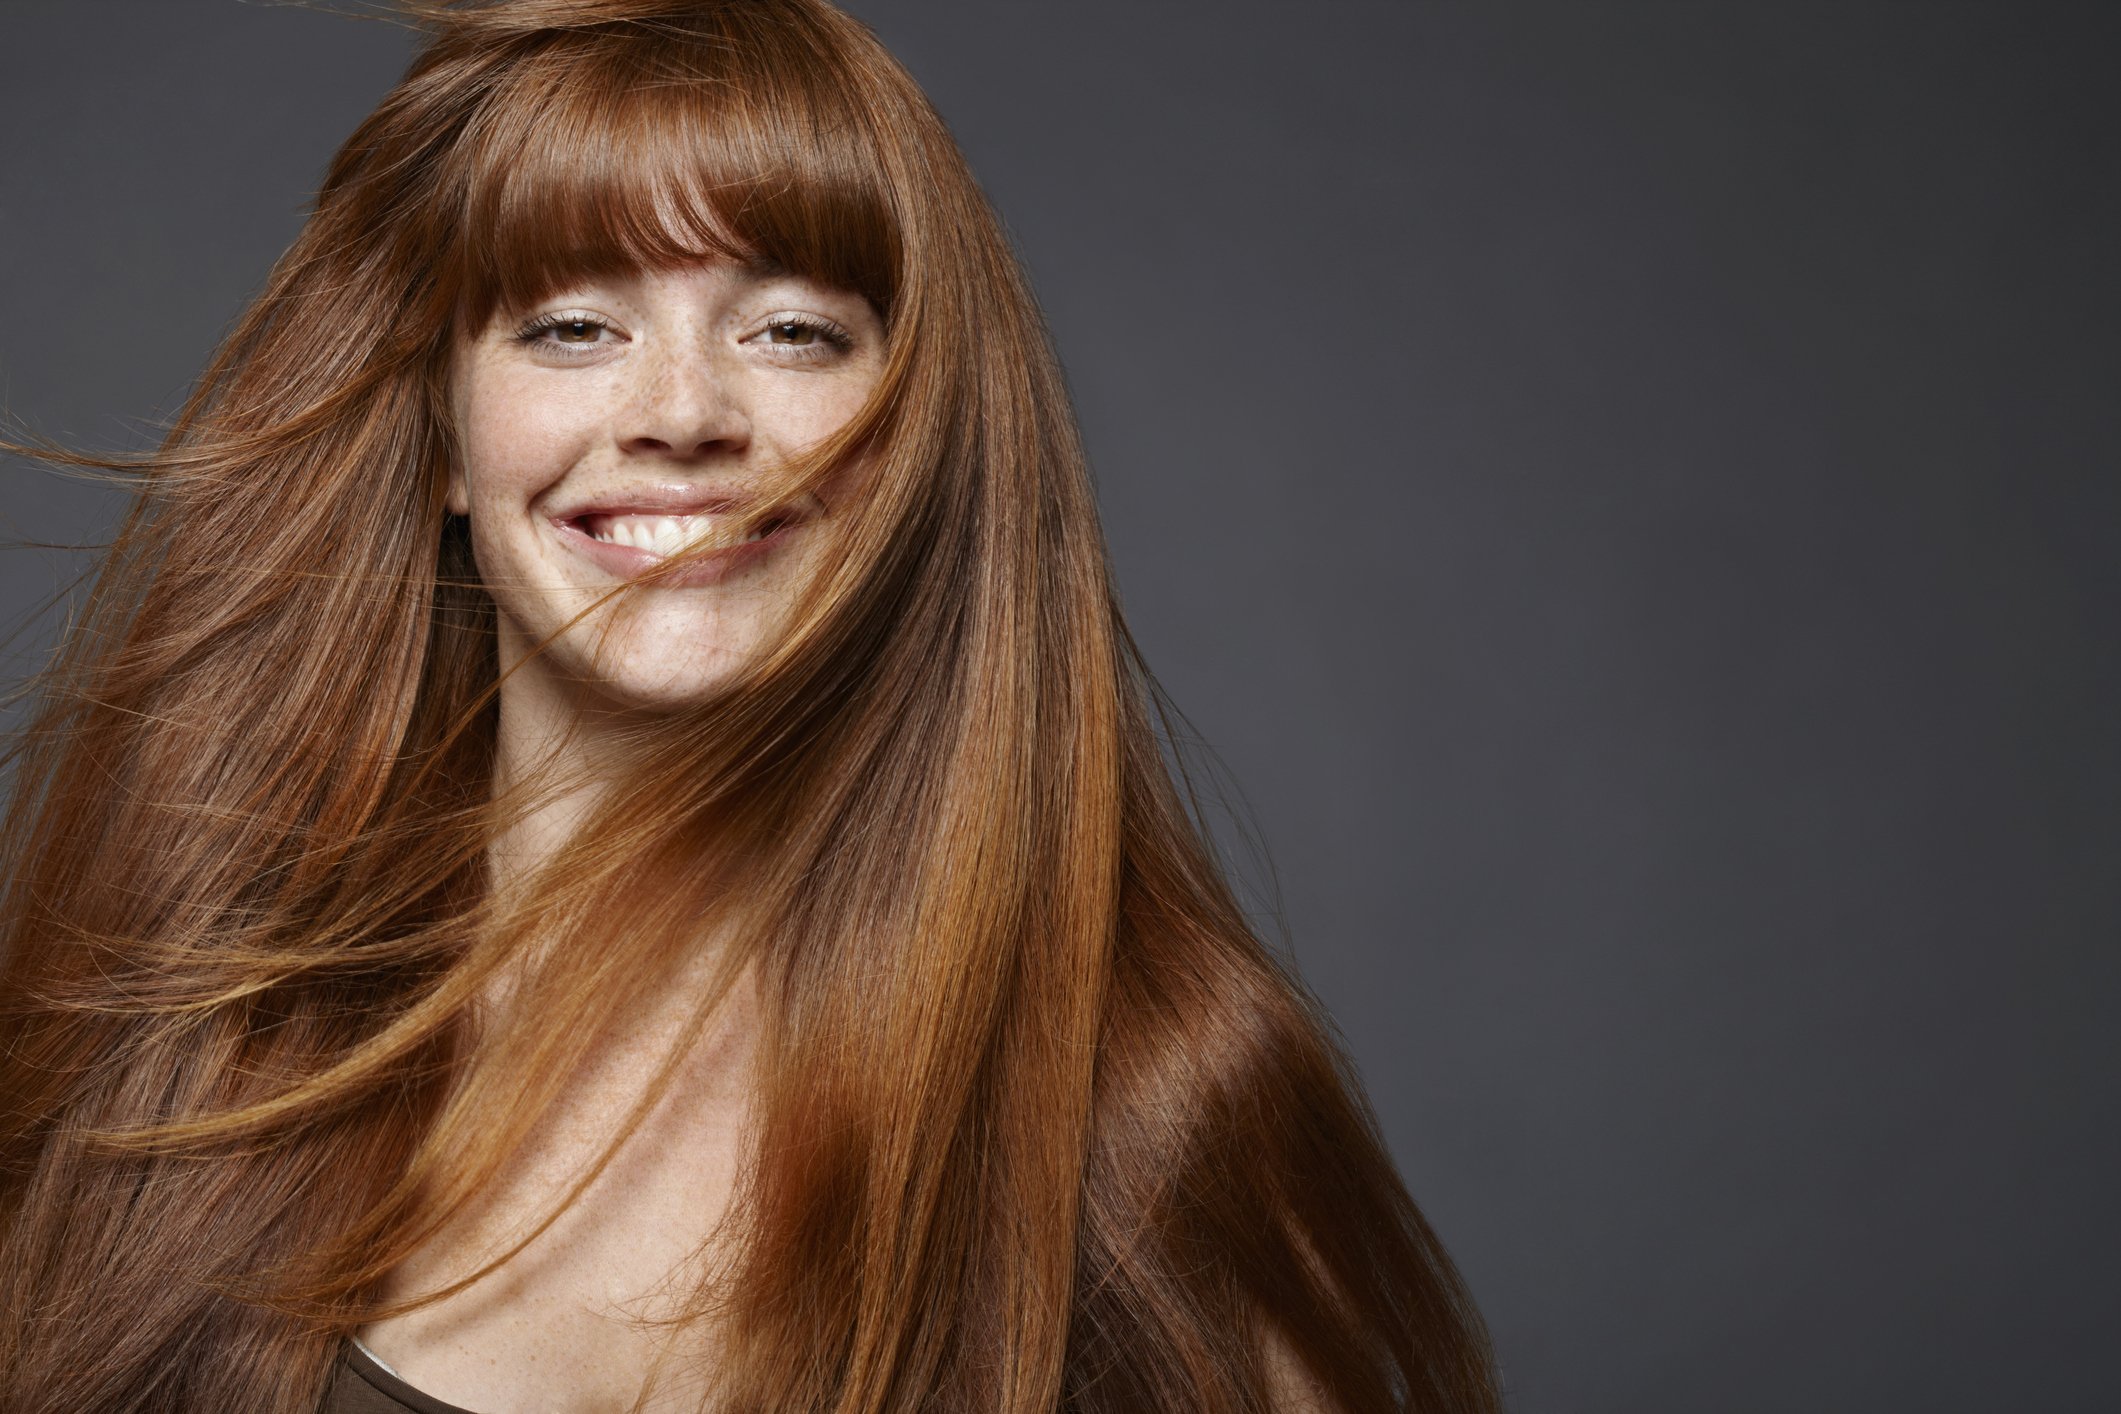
649 876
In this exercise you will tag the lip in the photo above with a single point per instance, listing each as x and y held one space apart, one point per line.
629 561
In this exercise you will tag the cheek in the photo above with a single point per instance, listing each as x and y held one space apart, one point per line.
515 443
849 483
803 410
853 481
803 421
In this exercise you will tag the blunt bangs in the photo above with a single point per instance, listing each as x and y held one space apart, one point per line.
601 153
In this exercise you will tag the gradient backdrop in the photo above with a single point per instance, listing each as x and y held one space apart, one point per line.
1630 492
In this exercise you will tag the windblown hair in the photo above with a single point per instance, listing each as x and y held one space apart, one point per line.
1043 1124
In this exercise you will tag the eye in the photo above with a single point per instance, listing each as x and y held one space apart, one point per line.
567 331
805 336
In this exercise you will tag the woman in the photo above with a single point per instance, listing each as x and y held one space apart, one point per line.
604 845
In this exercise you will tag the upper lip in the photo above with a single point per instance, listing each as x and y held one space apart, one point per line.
662 499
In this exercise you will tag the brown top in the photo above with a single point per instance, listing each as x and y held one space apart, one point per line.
361 1386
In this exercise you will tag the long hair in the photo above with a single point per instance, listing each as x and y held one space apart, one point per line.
1041 1123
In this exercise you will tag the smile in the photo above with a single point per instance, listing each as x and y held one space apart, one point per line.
662 535
625 546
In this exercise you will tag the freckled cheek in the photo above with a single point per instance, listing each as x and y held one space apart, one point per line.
797 424
516 445
852 482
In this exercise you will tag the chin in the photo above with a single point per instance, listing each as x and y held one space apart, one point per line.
656 682
651 691
645 666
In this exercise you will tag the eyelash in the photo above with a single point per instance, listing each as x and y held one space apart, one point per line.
832 338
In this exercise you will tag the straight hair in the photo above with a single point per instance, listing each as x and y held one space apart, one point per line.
1042 1123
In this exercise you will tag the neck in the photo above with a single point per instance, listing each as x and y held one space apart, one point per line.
555 744
548 761
535 753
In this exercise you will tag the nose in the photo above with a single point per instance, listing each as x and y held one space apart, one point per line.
684 405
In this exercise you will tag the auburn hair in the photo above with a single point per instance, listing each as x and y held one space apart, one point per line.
1042 1123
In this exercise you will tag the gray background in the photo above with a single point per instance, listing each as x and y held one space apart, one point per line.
1628 490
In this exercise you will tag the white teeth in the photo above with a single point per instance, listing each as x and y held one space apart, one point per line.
659 535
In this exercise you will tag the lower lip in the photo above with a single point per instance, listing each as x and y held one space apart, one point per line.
630 562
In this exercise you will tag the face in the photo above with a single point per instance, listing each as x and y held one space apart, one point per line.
602 427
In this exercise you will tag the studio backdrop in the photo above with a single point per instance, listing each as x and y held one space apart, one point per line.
1628 495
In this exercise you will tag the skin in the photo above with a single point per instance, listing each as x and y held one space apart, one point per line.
692 377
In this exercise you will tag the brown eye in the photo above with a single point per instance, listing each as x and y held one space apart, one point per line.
807 337
574 331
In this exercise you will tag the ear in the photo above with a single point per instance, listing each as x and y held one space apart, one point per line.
458 496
